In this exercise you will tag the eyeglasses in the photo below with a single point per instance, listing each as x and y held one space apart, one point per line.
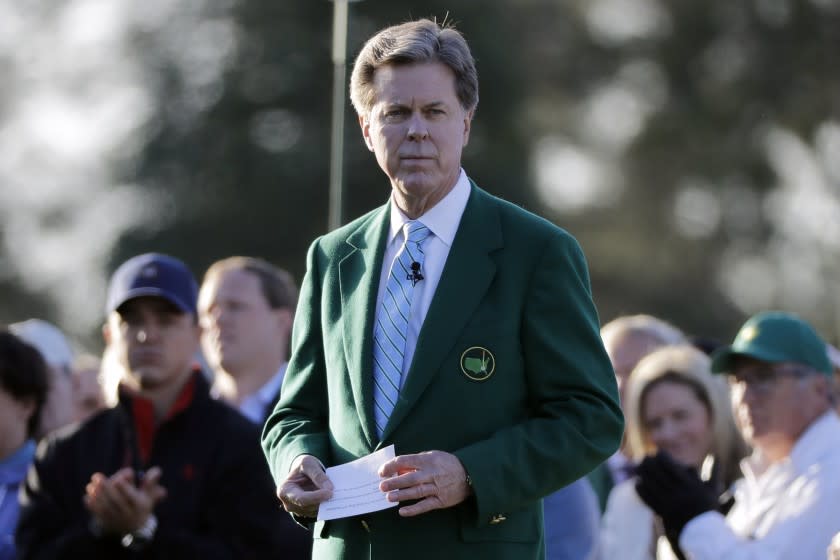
763 379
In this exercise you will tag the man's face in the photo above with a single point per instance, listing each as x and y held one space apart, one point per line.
239 327
417 128
773 402
153 340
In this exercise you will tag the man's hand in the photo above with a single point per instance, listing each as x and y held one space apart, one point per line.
436 478
305 488
118 504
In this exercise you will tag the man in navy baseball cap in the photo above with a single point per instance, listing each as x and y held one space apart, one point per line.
167 472
153 274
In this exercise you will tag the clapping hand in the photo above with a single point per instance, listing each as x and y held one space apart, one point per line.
121 504
675 492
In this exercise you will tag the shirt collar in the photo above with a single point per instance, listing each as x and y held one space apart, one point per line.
257 404
443 218
268 391
819 438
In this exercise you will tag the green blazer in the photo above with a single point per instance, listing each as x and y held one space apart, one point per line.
509 374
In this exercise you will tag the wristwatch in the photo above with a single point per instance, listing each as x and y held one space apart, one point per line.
141 537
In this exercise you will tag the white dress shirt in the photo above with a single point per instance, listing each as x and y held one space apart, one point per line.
442 220
789 510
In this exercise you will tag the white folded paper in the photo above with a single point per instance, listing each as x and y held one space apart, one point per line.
356 487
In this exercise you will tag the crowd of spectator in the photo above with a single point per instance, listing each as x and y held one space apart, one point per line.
152 449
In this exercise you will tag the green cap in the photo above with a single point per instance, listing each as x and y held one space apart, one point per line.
775 336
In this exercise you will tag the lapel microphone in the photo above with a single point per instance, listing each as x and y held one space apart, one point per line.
415 275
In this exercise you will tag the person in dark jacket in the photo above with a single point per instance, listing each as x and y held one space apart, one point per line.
245 309
167 473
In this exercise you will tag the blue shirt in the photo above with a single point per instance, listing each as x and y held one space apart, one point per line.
255 407
12 471
572 522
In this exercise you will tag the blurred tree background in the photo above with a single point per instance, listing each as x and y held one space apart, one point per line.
693 148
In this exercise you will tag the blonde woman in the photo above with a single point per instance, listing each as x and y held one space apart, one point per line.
674 404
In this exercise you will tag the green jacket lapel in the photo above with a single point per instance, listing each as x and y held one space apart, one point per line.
466 276
359 272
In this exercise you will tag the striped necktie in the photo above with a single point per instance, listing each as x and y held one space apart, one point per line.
391 328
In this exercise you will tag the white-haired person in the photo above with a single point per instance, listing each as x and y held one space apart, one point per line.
628 339
674 405
60 408
89 396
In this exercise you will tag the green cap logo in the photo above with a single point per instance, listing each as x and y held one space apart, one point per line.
748 333
478 363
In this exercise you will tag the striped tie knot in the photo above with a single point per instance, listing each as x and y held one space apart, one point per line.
415 232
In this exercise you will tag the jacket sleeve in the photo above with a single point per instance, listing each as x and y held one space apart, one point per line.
299 423
805 534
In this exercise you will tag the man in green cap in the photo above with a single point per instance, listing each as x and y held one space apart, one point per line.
788 503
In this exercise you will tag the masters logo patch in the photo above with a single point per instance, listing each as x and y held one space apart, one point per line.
478 363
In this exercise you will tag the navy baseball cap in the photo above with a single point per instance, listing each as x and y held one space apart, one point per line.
153 274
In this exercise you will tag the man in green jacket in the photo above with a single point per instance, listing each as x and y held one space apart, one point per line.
454 325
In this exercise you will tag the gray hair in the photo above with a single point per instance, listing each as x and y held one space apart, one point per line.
661 331
414 42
